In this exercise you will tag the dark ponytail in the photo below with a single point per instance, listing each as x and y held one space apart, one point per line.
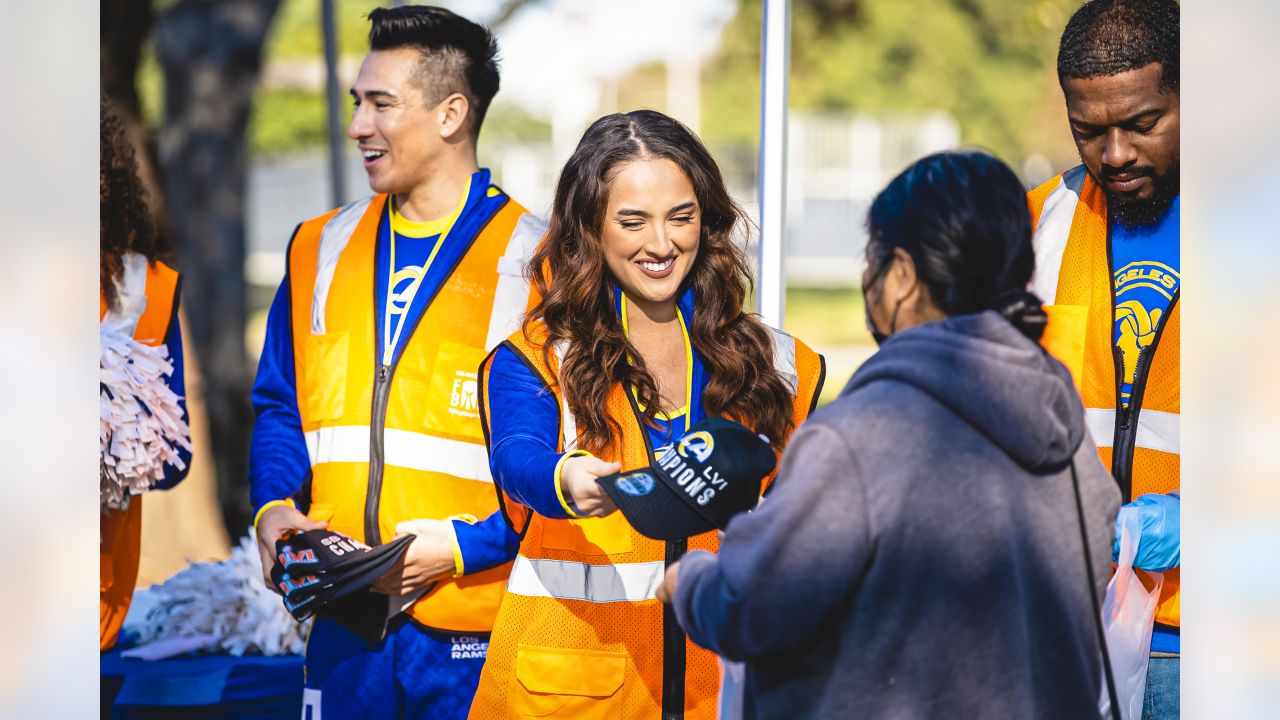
1025 311
963 219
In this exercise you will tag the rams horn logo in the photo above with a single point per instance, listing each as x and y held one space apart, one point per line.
700 443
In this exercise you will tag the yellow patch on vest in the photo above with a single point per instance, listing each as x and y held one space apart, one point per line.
326 357
452 407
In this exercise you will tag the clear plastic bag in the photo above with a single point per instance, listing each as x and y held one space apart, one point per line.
1128 615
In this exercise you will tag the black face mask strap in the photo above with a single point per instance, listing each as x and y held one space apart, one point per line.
893 319
876 335
1093 596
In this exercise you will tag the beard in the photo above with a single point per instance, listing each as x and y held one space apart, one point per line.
1140 213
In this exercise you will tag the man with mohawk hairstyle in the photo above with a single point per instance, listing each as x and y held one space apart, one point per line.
366 391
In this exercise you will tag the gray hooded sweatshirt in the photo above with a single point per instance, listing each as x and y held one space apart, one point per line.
920 554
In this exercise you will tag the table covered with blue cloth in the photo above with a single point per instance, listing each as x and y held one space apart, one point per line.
202 686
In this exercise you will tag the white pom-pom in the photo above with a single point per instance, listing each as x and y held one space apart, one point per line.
226 600
141 426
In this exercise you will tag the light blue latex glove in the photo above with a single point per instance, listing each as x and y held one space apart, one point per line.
1160 547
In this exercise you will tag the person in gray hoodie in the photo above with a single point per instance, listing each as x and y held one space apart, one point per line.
921 554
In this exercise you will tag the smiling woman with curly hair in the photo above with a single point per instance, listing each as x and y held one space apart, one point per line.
641 332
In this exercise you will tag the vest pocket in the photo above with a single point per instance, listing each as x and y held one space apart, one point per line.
609 535
321 512
1064 337
326 381
561 682
452 400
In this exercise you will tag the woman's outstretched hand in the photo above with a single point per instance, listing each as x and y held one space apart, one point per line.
578 483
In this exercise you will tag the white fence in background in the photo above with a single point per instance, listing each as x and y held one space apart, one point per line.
837 163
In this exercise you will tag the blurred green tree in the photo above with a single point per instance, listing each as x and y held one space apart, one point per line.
989 63
209 53
289 112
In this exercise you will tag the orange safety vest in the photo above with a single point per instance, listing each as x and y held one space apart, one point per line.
580 633
147 300
1073 278
389 444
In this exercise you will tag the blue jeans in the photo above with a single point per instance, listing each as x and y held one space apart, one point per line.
415 673
1162 701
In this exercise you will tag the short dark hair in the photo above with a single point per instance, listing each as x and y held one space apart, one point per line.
963 219
1109 37
459 56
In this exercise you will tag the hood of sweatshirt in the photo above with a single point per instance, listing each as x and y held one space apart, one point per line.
981 368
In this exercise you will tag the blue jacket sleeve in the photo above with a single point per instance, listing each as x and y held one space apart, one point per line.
278 460
776 561
486 544
177 383
524 422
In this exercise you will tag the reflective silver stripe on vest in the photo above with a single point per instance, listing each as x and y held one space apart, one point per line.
1156 430
333 240
131 295
403 449
511 295
564 580
1052 232
784 359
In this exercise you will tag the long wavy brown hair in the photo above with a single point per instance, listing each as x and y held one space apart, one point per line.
124 221
576 289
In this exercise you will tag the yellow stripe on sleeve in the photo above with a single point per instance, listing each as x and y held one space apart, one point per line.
258 516
559 490
459 566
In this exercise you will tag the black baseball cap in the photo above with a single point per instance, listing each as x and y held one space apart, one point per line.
322 551
710 474
316 568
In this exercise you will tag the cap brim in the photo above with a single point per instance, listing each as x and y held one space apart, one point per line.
373 566
652 508
336 589
325 561
351 577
